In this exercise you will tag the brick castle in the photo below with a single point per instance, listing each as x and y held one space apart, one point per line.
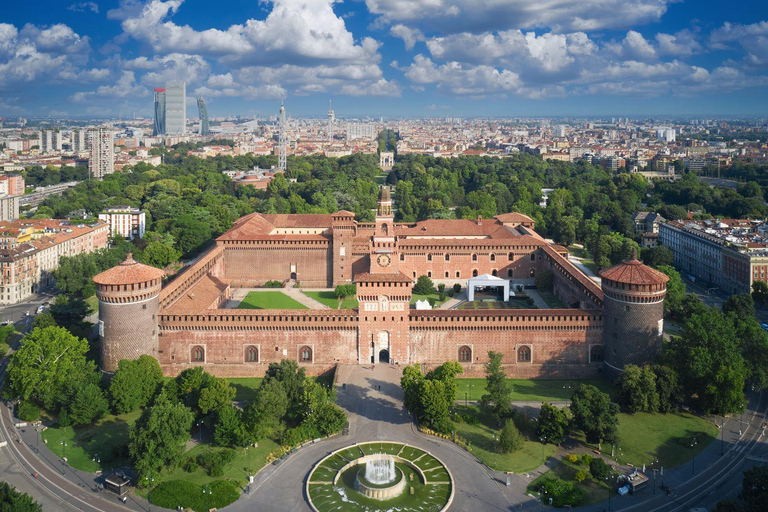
185 323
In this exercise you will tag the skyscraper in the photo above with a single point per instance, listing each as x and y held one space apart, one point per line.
175 108
79 140
331 119
50 141
159 127
102 160
203 111
282 143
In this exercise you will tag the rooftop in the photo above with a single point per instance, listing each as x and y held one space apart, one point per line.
128 271
632 271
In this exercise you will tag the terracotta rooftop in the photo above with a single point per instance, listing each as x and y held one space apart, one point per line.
632 271
129 271
367 277
514 217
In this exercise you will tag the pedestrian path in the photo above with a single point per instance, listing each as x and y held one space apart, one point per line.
306 300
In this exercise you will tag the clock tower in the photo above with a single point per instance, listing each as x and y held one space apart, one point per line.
384 295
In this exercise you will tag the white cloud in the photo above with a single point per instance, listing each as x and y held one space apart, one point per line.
451 16
191 69
57 39
633 47
125 87
84 6
249 92
752 38
680 44
410 36
461 79
380 87
315 79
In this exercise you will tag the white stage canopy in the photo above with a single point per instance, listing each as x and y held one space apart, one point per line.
486 280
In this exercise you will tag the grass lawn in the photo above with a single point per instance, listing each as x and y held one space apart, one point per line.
586 258
552 300
93 304
549 390
593 491
480 437
434 296
646 437
269 300
104 439
329 299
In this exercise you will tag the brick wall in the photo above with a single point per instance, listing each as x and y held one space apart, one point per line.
254 264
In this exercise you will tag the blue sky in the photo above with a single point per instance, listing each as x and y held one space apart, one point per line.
388 57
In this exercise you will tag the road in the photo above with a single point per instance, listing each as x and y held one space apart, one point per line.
18 312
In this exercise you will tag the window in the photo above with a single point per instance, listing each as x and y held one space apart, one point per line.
402 257
429 257
509 272
474 273
533 272
305 354
511 257
447 257
429 274
524 354
446 275
533 257
493 257
474 257
596 354
252 355
458 274
495 272
465 354
198 354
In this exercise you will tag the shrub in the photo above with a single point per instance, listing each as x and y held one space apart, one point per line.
441 297
586 459
599 469
298 435
456 288
580 476
273 284
510 438
561 492
190 495
27 411
431 301
441 287
4 348
450 292
572 458
214 461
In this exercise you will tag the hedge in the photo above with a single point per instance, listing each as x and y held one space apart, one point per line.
186 494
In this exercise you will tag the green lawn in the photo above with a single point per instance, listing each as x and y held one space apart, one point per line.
269 300
545 390
480 437
552 300
646 437
93 304
586 258
106 439
329 299
434 296
247 388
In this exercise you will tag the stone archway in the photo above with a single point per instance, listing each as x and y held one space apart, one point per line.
384 356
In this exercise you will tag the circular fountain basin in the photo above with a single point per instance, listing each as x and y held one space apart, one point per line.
380 491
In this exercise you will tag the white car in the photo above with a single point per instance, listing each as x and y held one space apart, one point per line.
40 309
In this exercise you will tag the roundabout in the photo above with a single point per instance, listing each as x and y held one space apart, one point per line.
379 476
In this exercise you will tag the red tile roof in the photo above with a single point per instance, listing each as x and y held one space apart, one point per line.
382 278
634 272
128 272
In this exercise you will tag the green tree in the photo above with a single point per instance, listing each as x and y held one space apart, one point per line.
498 399
159 254
345 291
510 438
48 362
599 469
434 404
595 415
760 292
158 438
266 412
411 384
70 313
424 286
43 320
668 388
292 378
637 389
229 430
742 306
553 424
675 290
12 500
217 395
657 256
90 404
135 383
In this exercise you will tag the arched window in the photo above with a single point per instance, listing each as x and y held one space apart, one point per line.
252 355
474 257
533 256
524 354
495 272
474 273
198 354
493 257
402 257
596 354
447 257
429 274
305 354
385 228
510 273
429 257
465 354
511 257
446 274
458 273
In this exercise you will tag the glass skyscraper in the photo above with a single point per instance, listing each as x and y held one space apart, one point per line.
203 111
175 108
159 127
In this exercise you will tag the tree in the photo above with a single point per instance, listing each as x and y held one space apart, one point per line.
424 286
268 409
709 361
657 256
668 388
435 405
159 254
158 438
637 389
135 383
599 469
229 429
12 500
760 292
49 361
292 378
90 404
553 424
675 290
43 320
754 491
345 291
741 305
411 384
217 395
498 400
70 313
595 415
510 438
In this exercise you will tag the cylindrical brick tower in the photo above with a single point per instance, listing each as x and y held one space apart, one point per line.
128 306
634 315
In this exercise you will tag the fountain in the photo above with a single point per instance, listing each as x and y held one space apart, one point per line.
380 479
380 469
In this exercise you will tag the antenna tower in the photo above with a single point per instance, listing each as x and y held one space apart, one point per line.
282 142
331 118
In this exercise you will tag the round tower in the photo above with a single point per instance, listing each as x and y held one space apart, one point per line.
634 315
128 306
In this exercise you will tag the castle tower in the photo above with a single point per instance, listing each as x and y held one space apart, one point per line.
634 315
343 224
128 306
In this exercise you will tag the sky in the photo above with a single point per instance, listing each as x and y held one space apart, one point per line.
391 58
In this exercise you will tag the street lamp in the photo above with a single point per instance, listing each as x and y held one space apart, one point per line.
608 481
568 394
37 436
247 448
543 444
64 455
693 460
200 426
207 490
465 399
149 480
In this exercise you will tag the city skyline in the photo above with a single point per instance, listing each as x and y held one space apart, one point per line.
384 57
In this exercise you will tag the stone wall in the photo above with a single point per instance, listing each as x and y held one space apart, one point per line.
253 264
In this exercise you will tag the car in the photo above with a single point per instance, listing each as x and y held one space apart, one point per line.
40 309
764 326
5 322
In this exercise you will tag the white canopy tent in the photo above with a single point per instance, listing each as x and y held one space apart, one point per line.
486 280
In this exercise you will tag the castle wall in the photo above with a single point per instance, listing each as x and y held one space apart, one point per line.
253 264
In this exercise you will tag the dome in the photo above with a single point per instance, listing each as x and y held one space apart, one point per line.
632 271
129 271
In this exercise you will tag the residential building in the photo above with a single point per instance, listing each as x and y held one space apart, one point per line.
9 207
175 108
647 222
102 160
12 184
80 140
50 141
125 221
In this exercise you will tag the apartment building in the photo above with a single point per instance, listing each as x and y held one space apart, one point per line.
125 221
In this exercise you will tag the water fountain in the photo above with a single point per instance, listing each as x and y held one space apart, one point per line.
379 478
